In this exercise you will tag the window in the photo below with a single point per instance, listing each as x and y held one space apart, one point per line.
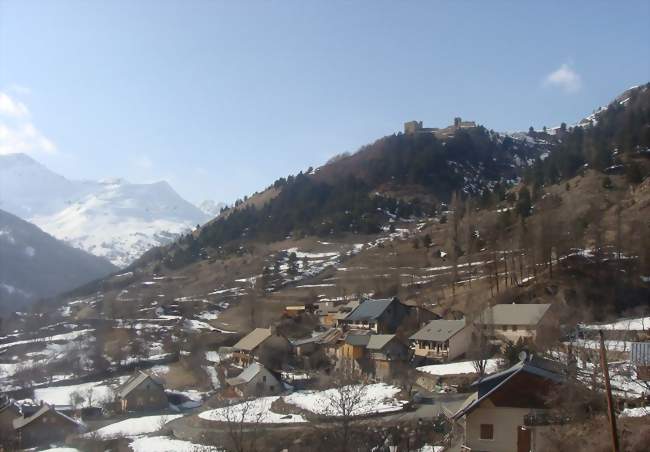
264 378
487 431
514 327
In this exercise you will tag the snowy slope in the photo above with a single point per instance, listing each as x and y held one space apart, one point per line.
34 264
113 219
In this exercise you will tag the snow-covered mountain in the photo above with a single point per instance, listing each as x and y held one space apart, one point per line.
113 218
211 208
34 264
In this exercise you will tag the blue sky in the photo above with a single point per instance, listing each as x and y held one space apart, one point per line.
222 98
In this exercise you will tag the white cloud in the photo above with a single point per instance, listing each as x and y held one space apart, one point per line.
564 78
17 131
11 107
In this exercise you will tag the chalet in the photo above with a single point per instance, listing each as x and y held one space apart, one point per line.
46 425
142 392
512 322
442 340
508 410
378 316
255 380
640 359
325 310
248 349
386 351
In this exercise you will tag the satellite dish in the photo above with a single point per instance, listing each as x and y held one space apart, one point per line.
523 355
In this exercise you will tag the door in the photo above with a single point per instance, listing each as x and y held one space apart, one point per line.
523 439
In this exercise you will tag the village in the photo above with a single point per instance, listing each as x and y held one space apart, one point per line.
462 384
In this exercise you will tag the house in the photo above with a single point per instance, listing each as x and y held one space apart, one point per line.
386 351
8 412
308 345
508 411
378 316
250 347
46 425
640 359
512 322
351 354
325 310
443 340
142 392
255 380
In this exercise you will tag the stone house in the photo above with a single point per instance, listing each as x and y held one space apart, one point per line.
508 410
512 322
255 380
377 316
142 392
443 340
45 426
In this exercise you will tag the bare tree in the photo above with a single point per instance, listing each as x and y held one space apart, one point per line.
244 425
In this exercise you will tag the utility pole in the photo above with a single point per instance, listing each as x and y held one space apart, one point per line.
608 391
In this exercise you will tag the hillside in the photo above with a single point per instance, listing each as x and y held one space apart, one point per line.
34 264
114 219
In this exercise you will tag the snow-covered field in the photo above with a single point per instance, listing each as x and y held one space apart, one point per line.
165 444
254 411
135 426
93 394
459 368
636 412
635 324
374 398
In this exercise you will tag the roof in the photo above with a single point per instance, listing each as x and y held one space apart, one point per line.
487 386
640 353
253 339
514 314
379 341
369 310
134 382
439 330
322 338
21 422
246 375
357 340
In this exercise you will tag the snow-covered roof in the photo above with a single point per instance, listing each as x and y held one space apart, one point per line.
253 339
439 330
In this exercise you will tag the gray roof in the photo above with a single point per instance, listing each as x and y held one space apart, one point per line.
379 341
439 330
134 382
247 374
514 314
640 353
23 421
358 340
253 339
369 310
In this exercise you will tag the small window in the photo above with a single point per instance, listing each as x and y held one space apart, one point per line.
487 431
264 378
514 327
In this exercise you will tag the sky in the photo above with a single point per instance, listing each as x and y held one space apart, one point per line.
222 98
